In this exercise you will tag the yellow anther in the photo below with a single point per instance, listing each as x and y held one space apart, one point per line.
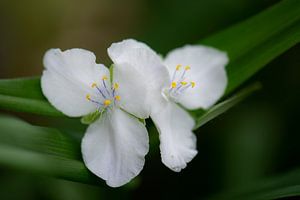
118 98
94 85
107 102
187 68
88 97
104 77
193 84
173 84
116 86
178 67
183 83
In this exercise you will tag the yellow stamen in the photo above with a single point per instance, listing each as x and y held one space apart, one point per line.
173 84
116 86
178 67
118 98
107 102
193 84
88 97
104 77
94 85
183 83
187 68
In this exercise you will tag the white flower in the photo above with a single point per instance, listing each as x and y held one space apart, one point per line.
114 145
193 76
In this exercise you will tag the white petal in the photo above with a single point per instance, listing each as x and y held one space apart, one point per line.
132 91
67 80
177 141
140 73
207 71
114 147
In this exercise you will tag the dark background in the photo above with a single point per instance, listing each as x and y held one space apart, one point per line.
256 139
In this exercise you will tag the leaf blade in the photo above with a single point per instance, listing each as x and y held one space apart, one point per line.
277 24
279 186
269 22
28 87
42 150
35 106
223 106
245 67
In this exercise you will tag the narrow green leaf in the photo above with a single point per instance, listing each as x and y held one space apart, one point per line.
44 140
222 107
286 185
243 68
253 43
25 95
244 36
42 150
29 87
35 106
45 164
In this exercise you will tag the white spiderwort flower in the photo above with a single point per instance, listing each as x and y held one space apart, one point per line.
114 145
193 76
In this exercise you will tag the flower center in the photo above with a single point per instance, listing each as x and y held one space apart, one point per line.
107 96
179 83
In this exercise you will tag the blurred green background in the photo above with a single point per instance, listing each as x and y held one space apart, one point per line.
256 139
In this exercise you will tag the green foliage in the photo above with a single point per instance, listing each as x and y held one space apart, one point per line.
22 87
223 106
253 43
41 107
41 150
25 95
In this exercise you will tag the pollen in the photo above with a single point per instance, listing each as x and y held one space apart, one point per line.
178 67
173 84
107 102
183 83
187 68
104 77
88 97
118 98
94 85
193 84
116 86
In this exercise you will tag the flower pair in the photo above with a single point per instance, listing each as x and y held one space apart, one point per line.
141 85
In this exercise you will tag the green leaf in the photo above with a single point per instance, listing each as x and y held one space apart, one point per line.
45 164
41 150
286 185
253 43
242 69
22 87
222 107
35 106
25 95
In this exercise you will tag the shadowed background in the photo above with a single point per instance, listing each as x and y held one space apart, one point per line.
256 139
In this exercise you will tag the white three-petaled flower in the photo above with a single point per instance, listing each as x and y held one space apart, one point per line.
193 76
115 145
